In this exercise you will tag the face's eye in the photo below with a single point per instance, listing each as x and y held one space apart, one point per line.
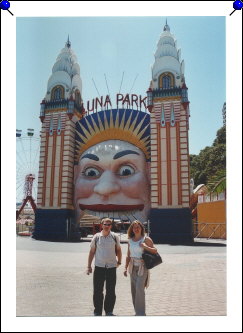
92 172
126 170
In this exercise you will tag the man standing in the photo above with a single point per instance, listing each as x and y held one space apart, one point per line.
105 246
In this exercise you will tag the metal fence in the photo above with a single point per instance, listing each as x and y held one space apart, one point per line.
209 197
209 230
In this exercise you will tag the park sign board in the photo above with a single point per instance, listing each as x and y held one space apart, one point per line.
127 100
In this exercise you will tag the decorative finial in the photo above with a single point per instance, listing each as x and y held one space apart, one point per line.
68 43
166 27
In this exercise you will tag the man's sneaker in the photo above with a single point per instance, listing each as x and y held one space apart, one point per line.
109 314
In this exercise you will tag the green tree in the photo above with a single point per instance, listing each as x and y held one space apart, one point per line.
210 162
217 183
220 136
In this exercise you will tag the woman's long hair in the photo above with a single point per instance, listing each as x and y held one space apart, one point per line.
130 232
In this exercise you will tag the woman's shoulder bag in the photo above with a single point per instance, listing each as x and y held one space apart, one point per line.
151 259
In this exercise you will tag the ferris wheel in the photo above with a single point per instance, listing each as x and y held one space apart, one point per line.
27 164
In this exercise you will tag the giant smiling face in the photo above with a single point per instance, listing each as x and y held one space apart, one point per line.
112 179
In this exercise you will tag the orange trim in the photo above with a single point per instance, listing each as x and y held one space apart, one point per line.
60 171
68 192
159 164
178 163
172 83
68 166
68 150
45 172
49 111
66 130
54 89
167 99
68 160
66 182
168 153
53 168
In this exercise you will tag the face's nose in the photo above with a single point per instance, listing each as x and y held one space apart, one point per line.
107 184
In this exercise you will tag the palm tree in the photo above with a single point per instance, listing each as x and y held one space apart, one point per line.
217 183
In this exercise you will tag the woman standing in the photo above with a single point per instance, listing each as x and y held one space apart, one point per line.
137 243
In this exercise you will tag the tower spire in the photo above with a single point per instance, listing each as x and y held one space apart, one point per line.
68 43
166 27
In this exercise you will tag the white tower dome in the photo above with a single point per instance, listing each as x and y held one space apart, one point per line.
65 75
167 60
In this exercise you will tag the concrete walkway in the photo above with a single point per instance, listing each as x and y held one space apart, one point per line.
51 280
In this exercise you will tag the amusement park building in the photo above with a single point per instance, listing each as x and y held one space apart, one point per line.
61 115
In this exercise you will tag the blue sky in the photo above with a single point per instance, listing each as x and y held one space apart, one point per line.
113 45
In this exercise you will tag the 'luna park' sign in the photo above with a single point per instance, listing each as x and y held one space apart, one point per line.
125 100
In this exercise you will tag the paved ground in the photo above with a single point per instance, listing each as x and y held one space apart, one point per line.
51 280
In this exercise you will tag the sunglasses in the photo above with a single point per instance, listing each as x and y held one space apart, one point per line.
108 225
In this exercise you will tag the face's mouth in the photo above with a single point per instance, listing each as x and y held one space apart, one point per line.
112 208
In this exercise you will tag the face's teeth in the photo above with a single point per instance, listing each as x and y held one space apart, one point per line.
124 215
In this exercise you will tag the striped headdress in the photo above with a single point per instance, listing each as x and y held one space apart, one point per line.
116 124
